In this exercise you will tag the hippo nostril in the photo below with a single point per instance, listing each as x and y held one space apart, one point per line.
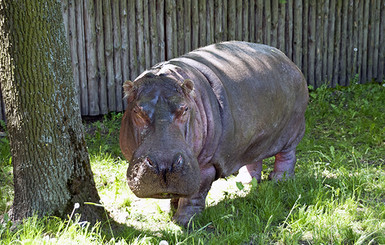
178 162
150 162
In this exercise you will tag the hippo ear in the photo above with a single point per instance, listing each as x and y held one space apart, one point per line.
187 86
128 88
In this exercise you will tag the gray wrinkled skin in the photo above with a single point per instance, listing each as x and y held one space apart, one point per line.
208 114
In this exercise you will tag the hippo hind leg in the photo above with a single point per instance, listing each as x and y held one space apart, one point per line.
284 165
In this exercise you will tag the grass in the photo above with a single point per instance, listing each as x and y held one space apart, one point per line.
337 197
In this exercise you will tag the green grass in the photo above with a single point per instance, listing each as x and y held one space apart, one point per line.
6 189
337 197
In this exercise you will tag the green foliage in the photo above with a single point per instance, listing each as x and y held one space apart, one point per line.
347 118
337 197
103 136
6 192
4 145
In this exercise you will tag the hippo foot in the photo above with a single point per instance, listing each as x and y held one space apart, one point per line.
278 176
248 172
187 209
283 166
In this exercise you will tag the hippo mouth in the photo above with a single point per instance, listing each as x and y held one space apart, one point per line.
150 178
166 195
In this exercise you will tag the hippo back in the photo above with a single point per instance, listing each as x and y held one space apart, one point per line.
262 96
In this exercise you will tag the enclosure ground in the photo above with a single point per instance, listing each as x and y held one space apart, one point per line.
337 197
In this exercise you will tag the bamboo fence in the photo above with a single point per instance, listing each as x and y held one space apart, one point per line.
332 41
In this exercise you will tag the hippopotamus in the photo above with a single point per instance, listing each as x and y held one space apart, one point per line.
208 114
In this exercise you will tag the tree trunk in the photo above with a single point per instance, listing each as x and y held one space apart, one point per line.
50 160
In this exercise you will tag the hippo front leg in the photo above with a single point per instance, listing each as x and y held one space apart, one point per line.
283 166
188 207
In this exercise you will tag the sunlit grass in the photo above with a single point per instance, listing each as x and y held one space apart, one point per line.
337 197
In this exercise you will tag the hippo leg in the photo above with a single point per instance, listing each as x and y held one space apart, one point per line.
188 207
283 166
250 171
174 204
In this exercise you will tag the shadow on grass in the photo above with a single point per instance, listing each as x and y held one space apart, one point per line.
261 213
235 220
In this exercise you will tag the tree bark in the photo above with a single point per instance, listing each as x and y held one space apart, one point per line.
50 160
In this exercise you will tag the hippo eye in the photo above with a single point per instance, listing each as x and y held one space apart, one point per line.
182 110
140 116
137 109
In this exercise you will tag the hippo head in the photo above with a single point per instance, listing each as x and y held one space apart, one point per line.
155 137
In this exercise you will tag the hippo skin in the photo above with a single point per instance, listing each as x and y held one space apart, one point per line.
205 115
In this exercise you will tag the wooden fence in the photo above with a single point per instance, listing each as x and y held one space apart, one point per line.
332 41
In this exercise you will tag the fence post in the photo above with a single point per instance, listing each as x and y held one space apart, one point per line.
113 41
